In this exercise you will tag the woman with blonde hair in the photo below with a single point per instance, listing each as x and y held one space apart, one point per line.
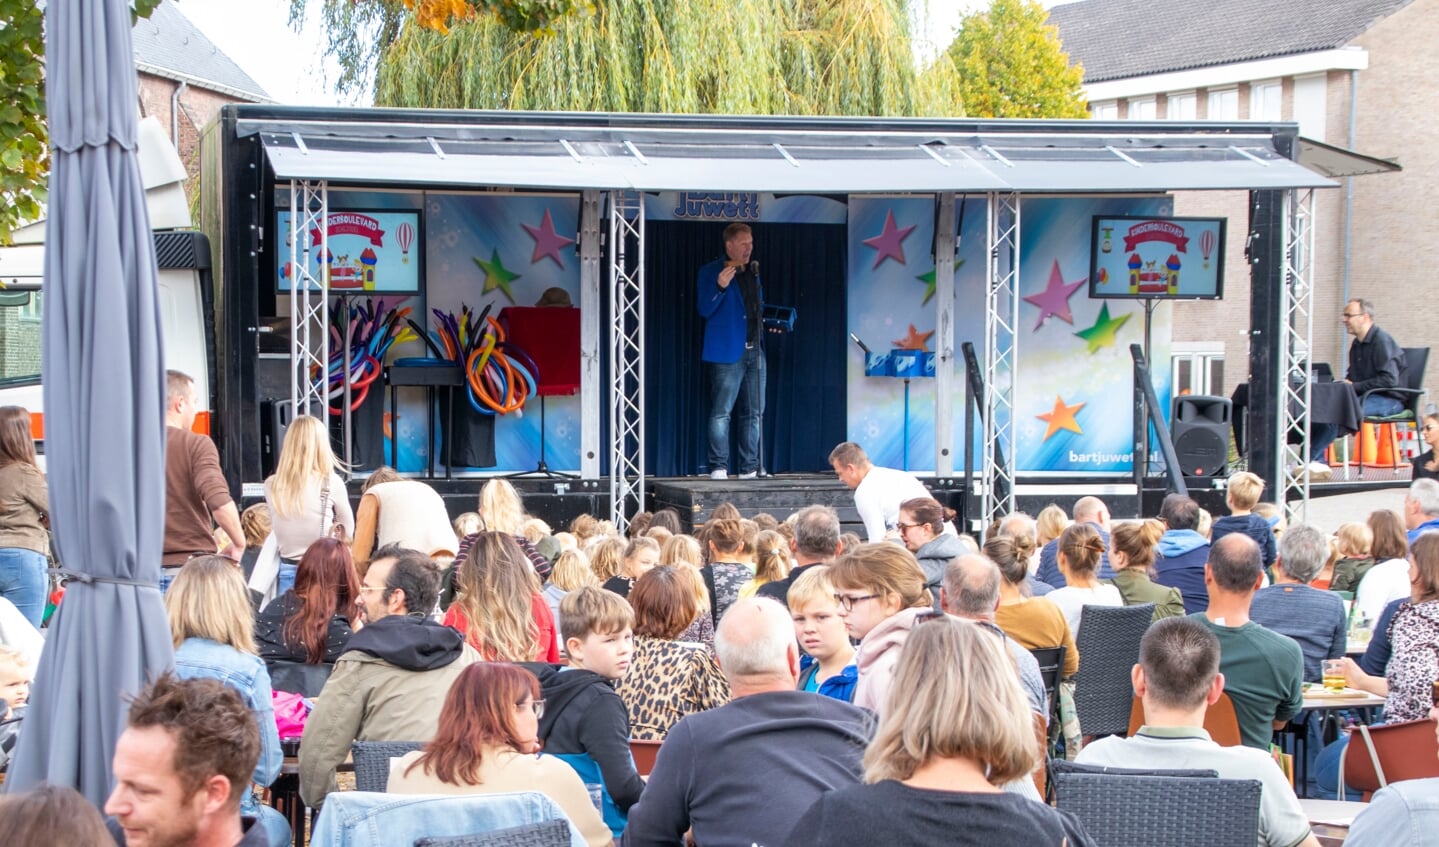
881 593
771 561
24 518
571 573
499 606
212 625
307 498
501 507
954 727
1132 546
1051 521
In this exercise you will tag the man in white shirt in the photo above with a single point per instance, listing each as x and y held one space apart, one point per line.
1178 679
877 491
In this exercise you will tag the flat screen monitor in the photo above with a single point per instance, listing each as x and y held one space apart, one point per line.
379 252
1152 258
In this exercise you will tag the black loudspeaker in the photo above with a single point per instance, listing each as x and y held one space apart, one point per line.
1200 428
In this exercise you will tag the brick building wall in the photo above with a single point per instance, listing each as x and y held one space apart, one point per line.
197 106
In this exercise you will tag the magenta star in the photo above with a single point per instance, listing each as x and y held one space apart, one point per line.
1054 299
547 241
890 242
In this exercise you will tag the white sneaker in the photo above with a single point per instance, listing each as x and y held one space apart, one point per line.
750 475
1319 470
719 474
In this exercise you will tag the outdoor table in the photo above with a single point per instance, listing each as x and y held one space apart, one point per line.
285 791
1328 707
1329 402
1330 819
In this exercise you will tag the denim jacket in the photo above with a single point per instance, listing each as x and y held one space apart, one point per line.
370 819
198 658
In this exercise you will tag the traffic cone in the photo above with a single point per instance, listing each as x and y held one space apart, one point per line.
1383 441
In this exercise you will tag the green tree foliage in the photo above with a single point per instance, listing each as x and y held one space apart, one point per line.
1011 64
24 140
808 57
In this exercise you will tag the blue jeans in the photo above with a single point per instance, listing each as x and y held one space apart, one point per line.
1325 772
23 581
286 579
1321 435
739 382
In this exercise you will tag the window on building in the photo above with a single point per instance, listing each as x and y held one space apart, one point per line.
20 315
1266 101
1108 111
1224 105
1181 106
1197 369
1142 109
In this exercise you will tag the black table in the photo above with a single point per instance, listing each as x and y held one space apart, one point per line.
431 378
1329 402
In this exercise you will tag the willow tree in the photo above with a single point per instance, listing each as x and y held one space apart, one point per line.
836 57
1011 64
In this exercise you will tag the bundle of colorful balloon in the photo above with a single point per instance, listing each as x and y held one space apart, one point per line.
372 329
500 376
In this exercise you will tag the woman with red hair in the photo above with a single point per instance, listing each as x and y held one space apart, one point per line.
311 623
486 744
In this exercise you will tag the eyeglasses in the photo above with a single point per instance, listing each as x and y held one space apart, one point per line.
1346 316
539 707
365 588
904 526
931 615
1428 427
846 602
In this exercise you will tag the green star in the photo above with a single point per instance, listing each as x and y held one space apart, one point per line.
497 275
1104 329
929 281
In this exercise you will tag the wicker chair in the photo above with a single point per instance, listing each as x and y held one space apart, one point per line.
1108 644
372 761
1176 808
548 834
1051 667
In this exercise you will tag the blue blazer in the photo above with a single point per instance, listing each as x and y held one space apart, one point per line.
723 313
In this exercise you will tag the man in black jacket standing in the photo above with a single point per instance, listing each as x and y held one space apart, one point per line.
1376 361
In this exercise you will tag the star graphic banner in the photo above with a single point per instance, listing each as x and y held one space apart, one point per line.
1054 299
889 244
548 243
497 276
1103 333
1061 417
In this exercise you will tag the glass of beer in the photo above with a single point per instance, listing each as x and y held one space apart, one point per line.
1334 674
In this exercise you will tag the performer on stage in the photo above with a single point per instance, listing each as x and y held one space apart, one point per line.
731 303
1375 361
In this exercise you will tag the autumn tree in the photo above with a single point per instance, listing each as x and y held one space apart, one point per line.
1011 64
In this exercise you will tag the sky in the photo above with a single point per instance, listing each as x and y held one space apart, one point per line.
289 65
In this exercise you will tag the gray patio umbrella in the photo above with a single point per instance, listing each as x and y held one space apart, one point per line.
104 408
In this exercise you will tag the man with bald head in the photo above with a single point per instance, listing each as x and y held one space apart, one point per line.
1090 510
737 775
1263 670
971 591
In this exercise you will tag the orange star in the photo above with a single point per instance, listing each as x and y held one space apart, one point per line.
916 340
1062 417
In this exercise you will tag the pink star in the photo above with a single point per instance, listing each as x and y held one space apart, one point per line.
890 242
547 241
1054 299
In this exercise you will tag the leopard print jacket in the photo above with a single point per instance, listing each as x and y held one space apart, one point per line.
666 681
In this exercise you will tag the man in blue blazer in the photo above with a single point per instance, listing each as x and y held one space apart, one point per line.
731 302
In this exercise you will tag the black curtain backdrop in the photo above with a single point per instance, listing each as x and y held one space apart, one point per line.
802 266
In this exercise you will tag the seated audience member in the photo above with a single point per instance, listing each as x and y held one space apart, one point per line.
1024 530
212 625
404 512
607 556
1079 550
1354 540
311 623
815 542
925 531
1048 525
499 603
487 743
1421 508
182 767
51 816
639 524
1206 524
1274 516
15 676
640 555
1375 660
468 523
881 595
952 731
585 722
255 521
1405 812
771 562
1034 622
669 519
1178 678
1183 550
971 591
1408 682
1313 618
1132 547
667 679
1245 489
727 572
1325 576
827 666
1089 511
391 680
571 573
736 776
1388 579
1426 464
1263 670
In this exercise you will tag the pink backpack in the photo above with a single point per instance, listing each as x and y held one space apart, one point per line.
291 710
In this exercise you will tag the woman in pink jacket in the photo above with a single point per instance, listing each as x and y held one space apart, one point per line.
881 593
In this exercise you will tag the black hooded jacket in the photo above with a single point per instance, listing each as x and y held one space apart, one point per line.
584 715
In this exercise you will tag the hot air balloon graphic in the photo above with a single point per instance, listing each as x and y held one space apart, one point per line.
1206 245
405 234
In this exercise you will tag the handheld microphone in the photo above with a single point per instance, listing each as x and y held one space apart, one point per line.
754 268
